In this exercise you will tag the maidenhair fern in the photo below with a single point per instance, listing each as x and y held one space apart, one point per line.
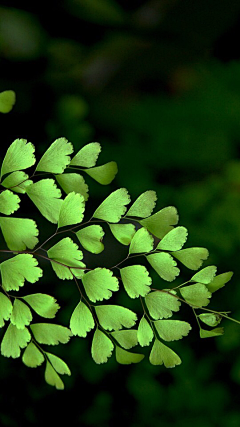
156 237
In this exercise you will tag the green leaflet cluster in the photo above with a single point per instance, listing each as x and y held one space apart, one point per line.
155 237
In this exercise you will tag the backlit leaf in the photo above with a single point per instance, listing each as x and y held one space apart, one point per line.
14 339
72 210
17 181
20 155
164 265
99 284
73 182
16 270
81 321
127 338
87 156
32 356
161 305
49 333
103 174
19 233
58 364
42 304
171 330
46 196
56 158
21 314
123 232
102 347
115 317
163 355
91 238
142 242
144 333
66 254
219 281
136 280
144 205
196 295
206 275
213 333
210 319
161 222
52 378
192 257
7 101
5 309
114 206
174 240
9 202
126 357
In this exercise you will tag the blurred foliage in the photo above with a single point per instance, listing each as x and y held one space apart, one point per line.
158 84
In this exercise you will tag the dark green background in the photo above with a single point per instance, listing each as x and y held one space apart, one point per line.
157 83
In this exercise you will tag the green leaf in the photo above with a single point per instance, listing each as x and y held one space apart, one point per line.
46 196
161 304
52 378
142 241
18 181
81 321
196 295
192 258
56 158
42 304
107 12
113 207
5 309
7 101
161 222
115 317
66 252
16 270
73 182
172 330
205 275
99 284
72 210
144 205
91 238
174 240
144 333
102 347
164 265
219 281
19 233
20 155
51 334
87 156
32 356
163 355
136 280
126 357
103 174
127 338
210 319
9 202
21 314
213 333
123 232
58 364
14 339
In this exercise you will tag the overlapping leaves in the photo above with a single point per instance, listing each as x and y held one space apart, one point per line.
110 326
66 254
